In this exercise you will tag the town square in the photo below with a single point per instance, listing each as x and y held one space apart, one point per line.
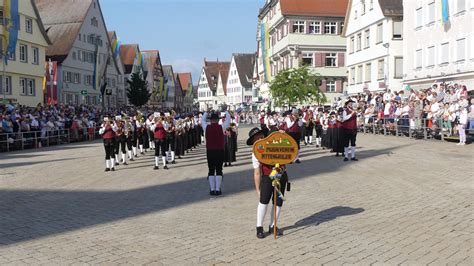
269 132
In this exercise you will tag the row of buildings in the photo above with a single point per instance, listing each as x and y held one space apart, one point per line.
65 54
355 45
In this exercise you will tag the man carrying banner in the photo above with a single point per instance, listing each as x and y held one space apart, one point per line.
264 187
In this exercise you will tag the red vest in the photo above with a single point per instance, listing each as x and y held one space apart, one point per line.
262 120
160 132
294 128
108 133
214 137
351 123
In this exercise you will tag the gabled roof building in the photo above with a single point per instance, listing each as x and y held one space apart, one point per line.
207 86
81 50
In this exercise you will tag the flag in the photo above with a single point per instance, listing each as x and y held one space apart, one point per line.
265 43
96 77
116 48
190 89
444 12
12 25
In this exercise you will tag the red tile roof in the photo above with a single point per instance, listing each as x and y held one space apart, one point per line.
326 8
212 70
185 80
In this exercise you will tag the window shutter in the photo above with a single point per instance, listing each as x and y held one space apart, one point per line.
340 59
318 58
337 28
290 26
307 27
339 85
323 85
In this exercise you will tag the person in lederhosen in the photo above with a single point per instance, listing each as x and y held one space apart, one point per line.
349 117
308 127
229 149
293 128
149 123
129 132
331 127
170 138
215 145
338 135
121 140
264 188
318 127
325 130
107 131
179 147
159 131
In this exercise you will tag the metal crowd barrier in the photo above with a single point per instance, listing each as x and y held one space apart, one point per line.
416 128
37 139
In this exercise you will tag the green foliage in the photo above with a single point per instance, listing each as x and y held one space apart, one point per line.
137 92
296 86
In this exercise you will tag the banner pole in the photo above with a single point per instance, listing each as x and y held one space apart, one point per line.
274 212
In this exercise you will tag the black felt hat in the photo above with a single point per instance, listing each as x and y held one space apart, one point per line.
254 132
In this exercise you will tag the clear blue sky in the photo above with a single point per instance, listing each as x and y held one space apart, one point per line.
186 31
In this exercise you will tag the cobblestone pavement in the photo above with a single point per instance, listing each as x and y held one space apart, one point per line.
405 202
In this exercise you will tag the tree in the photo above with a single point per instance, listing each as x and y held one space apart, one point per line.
137 92
295 86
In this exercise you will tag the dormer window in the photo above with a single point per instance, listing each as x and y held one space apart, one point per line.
94 22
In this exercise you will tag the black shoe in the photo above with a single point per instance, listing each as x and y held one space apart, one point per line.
166 167
212 193
112 169
337 154
225 165
173 162
260 233
125 163
131 159
179 157
354 159
279 231
298 161
306 144
345 159
156 168
117 163
230 165
218 193
136 155
107 169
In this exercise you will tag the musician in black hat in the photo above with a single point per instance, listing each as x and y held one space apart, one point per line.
349 125
214 134
264 187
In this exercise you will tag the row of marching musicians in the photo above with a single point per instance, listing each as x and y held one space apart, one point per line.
169 136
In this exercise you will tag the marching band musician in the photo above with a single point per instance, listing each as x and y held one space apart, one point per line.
308 126
318 126
179 145
107 130
159 131
170 138
338 134
129 131
140 131
117 140
121 140
214 135
293 125
149 122
135 136
349 124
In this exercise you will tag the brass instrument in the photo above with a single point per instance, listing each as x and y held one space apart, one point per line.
120 130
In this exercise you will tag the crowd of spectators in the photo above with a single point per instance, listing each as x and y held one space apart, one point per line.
442 108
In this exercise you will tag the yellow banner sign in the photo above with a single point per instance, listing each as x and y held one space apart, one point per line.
278 148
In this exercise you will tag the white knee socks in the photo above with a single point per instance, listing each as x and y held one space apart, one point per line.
172 156
212 182
107 163
141 148
129 154
310 139
112 163
272 222
124 157
134 150
353 151
156 161
218 182
346 152
261 211
163 158
305 139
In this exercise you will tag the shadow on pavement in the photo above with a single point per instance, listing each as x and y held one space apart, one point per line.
32 214
322 217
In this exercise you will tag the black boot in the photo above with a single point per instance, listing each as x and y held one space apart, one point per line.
260 233
279 231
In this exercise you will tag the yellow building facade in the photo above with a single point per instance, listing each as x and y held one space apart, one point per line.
25 69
